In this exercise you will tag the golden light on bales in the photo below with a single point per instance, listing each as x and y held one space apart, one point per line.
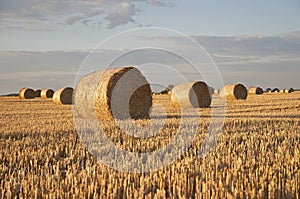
120 93
234 92
63 96
47 93
191 95
26 93
255 90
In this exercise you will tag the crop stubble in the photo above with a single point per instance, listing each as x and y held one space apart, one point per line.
257 153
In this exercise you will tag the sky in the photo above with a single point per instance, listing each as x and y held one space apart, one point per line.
45 42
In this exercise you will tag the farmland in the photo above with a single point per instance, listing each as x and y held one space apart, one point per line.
257 154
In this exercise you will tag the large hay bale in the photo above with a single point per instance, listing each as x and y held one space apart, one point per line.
26 93
191 95
47 93
120 93
255 91
63 96
233 92
37 93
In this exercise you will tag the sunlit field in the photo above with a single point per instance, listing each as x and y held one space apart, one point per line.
257 154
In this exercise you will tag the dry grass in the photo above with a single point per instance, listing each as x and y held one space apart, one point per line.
257 154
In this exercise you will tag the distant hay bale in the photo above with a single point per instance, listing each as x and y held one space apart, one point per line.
291 90
216 91
255 91
37 93
120 93
285 91
63 96
275 90
26 93
47 93
191 95
234 92
268 90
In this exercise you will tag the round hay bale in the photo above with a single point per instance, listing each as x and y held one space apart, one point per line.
191 95
216 91
37 93
26 93
286 91
211 90
291 90
282 91
120 93
255 91
234 92
63 96
47 93
268 90
275 90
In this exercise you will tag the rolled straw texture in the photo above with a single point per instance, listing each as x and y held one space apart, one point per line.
26 93
47 93
118 93
191 95
255 91
63 96
234 92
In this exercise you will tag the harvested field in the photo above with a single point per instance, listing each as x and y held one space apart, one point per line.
256 155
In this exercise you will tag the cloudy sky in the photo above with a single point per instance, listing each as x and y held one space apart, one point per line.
44 42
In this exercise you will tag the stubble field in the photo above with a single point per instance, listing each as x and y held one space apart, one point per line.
257 154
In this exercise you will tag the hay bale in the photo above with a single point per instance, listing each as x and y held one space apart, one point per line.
26 93
286 90
120 93
268 90
255 91
234 92
291 90
191 95
275 90
216 91
63 96
47 93
37 93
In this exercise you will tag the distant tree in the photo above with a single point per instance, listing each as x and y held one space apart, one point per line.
11 95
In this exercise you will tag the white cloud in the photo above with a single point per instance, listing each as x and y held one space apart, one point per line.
112 12
121 15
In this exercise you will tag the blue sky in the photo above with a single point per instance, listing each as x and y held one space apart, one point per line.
50 39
